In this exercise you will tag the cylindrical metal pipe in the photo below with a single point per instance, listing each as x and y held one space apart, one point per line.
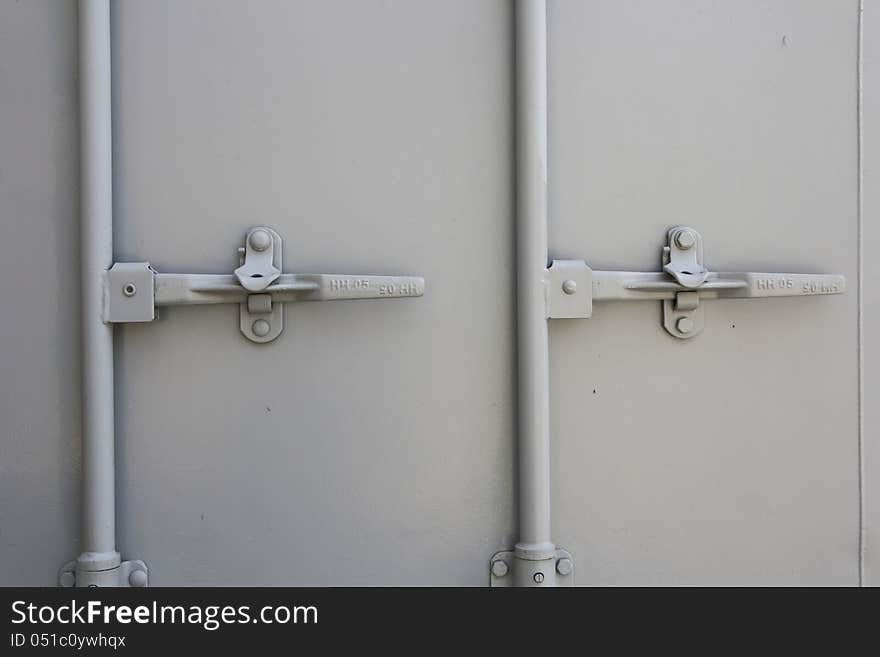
531 262
96 243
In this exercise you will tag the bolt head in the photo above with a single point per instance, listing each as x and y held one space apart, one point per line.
500 568
137 578
564 566
569 287
129 289
260 240
538 577
685 325
685 239
67 579
261 328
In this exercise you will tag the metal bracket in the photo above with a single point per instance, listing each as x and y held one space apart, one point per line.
129 295
126 574
508 569
683 316
260 259
132 290
261 320
683 257
569 290
682 284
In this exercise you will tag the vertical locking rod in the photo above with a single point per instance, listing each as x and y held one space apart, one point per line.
96 211
533 357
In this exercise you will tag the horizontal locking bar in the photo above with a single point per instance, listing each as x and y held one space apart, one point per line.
199 289
659 286
133 290
683 283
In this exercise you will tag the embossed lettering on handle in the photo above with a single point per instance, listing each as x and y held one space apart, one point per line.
341 286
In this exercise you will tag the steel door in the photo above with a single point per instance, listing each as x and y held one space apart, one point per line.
376 443
731 458
371 442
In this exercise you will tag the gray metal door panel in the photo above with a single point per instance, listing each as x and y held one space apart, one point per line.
371 442
732 458
39 340
870 292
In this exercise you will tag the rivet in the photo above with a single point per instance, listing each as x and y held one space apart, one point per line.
569 287
137 578
539 577
564 566
261 328
499 568
129 289
260 240
685 239
67 579
685 325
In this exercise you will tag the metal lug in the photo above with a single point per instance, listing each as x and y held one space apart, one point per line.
124 574
683 257
261 263
569 290
260 320
508 569
683 317
129 293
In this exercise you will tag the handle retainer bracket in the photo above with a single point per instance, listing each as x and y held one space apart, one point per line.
683 316
261 319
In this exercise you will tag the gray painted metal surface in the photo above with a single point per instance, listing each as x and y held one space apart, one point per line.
374 443
869 241
732 458
40 405
376 435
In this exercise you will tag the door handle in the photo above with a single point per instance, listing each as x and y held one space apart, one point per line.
681 285
133 290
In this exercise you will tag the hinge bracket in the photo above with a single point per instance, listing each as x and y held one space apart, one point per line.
87 572
508 568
